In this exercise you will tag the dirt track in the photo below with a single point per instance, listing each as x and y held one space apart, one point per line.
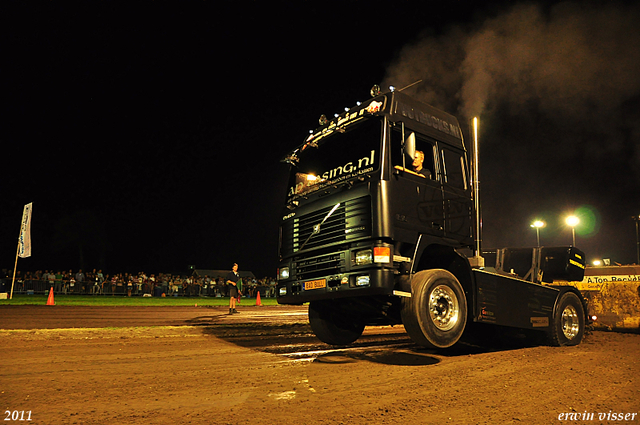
56 317
201 366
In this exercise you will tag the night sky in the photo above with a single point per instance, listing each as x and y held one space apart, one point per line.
150 133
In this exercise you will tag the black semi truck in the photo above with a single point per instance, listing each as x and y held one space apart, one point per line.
368 238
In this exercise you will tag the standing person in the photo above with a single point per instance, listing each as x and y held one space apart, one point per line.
80 281
95 289
232 283
58 283
88 285
130 282
72 284
51 278
100 279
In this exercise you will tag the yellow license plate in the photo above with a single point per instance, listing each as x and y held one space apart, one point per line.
315 284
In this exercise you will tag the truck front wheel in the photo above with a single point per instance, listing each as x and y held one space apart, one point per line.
436 314
568 321
331 326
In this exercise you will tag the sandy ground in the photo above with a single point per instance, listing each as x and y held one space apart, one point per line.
176 365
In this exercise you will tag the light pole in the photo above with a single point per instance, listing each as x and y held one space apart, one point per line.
538 224
573 221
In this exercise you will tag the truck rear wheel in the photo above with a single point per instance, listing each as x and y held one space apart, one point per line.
436 314
568 321
332 327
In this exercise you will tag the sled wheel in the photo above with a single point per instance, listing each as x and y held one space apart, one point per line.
332 327
568 321
436 314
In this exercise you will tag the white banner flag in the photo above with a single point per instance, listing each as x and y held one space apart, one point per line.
24 242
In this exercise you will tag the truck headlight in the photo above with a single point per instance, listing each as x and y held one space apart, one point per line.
364 257
284 273
283 291
362 280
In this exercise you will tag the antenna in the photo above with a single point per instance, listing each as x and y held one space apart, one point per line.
410 85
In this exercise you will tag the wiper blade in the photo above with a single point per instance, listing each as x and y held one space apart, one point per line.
316 228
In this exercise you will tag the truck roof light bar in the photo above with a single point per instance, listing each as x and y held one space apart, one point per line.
291 159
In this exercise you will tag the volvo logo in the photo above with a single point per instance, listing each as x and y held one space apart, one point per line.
355 229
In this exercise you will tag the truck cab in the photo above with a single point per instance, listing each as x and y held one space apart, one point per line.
367 234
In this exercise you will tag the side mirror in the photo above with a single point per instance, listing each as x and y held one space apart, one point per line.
410 146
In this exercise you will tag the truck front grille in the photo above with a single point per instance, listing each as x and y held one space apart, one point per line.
323 265
350 220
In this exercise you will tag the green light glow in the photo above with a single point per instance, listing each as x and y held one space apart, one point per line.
589 221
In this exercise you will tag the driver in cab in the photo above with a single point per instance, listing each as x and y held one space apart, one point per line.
418 160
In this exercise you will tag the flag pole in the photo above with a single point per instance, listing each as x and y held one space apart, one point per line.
15 267
24 241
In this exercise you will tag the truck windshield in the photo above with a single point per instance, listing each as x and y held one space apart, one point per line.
340 157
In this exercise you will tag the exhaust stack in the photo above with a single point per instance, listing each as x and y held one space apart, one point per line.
477 260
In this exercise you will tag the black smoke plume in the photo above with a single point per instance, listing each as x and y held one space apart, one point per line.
557 90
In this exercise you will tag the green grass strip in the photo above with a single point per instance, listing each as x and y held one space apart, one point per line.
119 300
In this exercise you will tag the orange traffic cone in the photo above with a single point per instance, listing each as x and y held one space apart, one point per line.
50 299
258 299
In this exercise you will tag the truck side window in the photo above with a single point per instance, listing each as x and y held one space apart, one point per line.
454 172
427 150
422 144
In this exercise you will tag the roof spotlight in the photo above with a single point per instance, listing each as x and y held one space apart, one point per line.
392 89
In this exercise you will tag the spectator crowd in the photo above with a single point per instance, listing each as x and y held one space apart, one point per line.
96 282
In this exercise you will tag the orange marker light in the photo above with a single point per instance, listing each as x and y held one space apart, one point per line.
381 254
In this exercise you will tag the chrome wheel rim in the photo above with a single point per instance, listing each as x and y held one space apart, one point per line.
444 307
570 322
